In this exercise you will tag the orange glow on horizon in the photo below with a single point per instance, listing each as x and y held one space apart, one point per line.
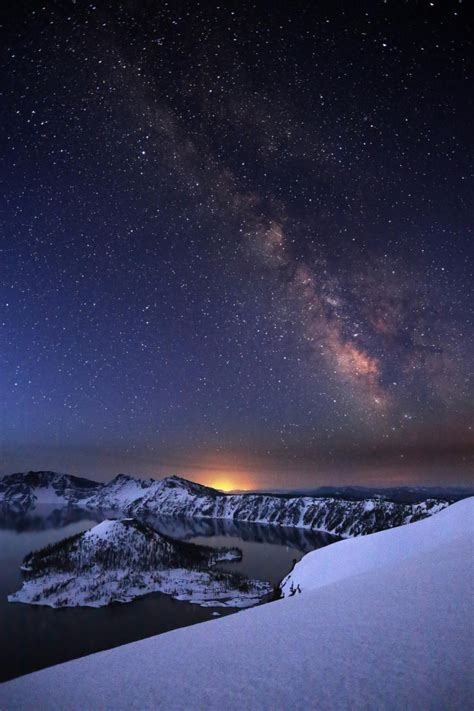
223 485
228 481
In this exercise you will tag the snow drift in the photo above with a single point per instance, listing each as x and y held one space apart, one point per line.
392 631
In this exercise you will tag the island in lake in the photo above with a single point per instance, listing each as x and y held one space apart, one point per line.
119 560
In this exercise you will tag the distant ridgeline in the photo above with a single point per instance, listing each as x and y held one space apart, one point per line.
174 496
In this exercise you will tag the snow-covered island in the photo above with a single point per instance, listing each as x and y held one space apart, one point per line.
384 621
119 560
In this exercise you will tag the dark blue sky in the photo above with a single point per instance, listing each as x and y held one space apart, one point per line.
237 241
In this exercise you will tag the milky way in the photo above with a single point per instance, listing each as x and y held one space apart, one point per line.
238 239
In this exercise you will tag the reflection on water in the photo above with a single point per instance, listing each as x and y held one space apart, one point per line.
45 517
299 538
34 637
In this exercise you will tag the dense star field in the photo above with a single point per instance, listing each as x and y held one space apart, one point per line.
236 240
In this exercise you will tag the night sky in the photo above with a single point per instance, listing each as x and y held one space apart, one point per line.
236 241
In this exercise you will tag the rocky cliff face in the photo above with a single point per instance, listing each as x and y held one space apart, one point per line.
25 490
336 516
178 497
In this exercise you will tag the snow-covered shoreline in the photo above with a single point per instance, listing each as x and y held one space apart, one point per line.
395 634
92 590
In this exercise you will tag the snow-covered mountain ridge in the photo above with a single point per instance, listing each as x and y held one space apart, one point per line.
175 496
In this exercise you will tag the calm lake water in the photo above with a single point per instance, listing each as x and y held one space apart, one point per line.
33 637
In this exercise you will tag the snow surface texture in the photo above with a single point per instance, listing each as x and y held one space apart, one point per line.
178 497
397 636
117 561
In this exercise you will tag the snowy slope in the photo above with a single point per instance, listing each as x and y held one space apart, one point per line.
397 636
119 492
385 550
